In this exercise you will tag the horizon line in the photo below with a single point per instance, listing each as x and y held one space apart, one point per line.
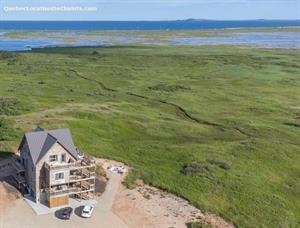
188 19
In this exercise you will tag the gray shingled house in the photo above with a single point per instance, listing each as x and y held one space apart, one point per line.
53 169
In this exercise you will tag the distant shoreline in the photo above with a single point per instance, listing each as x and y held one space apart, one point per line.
25 40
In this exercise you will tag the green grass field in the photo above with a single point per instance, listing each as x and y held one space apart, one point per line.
219 126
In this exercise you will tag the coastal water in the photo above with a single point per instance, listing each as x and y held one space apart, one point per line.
258 39
20 36
143 25
255 39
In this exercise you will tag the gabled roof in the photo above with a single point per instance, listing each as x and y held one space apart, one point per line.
40 141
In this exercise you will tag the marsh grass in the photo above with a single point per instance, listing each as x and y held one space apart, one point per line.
224 106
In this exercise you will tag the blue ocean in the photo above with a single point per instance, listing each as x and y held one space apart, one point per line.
144 25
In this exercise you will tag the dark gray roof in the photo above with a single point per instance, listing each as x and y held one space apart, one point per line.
39 142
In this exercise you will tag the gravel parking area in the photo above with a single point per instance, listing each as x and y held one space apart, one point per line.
20 214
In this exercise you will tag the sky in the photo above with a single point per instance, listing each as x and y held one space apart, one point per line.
148 9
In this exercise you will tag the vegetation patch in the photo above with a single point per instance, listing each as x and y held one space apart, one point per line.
204 167
7 131
198 225
7 55
295 123
220 164
10 106
168 88
200 167
100 172
95 53
5 154
133 179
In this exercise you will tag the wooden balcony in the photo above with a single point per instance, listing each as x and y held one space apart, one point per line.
58 166
69 191
85 161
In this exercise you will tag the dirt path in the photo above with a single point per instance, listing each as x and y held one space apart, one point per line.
106 200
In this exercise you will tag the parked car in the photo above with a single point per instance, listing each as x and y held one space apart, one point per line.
64 213
117 169
87 211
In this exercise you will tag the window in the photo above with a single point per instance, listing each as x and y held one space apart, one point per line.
59 176
53 158
31 192
63 157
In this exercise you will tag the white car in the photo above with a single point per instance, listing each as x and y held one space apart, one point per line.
117 169
87 211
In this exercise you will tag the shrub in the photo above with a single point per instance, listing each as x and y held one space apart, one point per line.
100 171
168 88
195 168
198 225
221 164
9 106
294 123
7 55
132 177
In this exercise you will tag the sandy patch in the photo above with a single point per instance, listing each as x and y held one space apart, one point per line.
8 195
146 206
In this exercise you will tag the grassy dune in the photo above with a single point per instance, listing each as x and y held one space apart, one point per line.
216 125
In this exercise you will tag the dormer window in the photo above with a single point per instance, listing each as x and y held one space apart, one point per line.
52 158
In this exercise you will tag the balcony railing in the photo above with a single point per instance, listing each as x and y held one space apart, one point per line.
70 190
59 166
59 192
80 190
84 161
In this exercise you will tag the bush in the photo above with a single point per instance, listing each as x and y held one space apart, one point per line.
7 55
100 171
195 168
221 164
131 179
9 106
168 88
198 225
